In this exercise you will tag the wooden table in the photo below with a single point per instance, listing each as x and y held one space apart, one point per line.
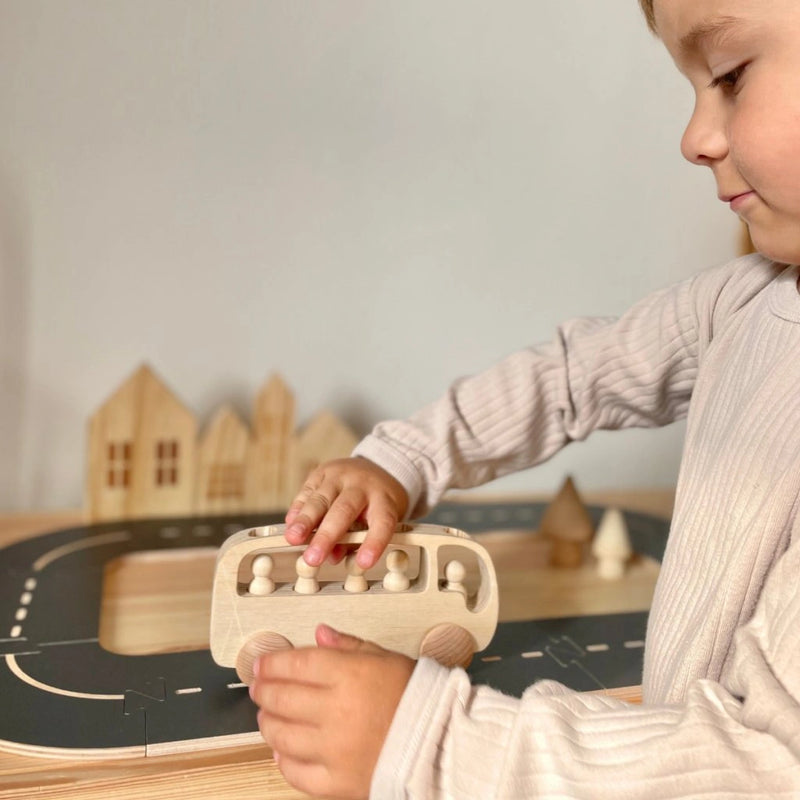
244 773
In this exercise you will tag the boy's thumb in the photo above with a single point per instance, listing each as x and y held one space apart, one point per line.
329 637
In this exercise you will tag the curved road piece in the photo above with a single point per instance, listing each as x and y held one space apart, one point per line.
63 694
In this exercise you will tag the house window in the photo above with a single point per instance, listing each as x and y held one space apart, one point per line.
226 481
167 452
118 469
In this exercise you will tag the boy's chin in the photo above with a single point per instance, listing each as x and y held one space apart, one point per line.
782 250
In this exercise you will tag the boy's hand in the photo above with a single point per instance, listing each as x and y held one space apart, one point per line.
326 711
334 496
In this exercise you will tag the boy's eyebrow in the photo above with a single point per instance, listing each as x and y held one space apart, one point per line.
713 30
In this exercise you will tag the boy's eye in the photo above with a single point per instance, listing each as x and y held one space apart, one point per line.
730 80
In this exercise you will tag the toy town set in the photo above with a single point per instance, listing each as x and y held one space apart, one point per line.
157 491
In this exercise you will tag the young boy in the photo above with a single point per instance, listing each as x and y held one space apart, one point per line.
721 681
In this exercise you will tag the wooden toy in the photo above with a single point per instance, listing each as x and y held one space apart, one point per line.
77 686
262 583
355 580
396 579
612 545
273 467
568 525
141 457
454 574
145 458
409 610
223 461
306 582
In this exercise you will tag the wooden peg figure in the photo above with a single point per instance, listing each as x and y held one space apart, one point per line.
262 583
612 546
396 579
355 581
454 573
306 577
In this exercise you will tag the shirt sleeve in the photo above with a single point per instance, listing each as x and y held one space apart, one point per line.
597 373
739 737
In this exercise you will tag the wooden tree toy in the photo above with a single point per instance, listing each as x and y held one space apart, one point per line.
612 545
568 526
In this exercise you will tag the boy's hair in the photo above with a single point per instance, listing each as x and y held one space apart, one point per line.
650 16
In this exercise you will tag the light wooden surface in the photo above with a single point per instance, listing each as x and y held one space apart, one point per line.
244 773
154 437
391 614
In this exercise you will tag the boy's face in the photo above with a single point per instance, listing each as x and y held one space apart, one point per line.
743 59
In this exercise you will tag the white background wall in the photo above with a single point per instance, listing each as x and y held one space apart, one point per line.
370 196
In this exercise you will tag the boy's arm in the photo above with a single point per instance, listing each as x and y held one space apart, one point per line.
739 737
349 716
597 373
635 371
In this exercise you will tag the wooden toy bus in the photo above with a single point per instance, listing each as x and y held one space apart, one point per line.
433 593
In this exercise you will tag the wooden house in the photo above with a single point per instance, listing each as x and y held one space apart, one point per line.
224 456
324 438
141 456
145 460
271 477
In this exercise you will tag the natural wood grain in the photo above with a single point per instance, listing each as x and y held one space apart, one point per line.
224 453
244 773
395 613
568 526
271 474
141 457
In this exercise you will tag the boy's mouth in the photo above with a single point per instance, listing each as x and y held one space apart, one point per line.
736 200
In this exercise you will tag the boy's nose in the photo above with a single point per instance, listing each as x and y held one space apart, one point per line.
704 141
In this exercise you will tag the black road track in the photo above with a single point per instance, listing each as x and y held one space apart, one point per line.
63 693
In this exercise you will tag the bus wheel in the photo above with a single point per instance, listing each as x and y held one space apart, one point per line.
255 646
450 645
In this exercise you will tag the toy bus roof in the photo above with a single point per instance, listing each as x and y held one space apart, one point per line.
406 533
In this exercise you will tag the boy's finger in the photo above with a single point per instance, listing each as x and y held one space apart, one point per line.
308 516
293 511
305 665
329 637
338 552
299 501
381 524
291 702
294 741
343 512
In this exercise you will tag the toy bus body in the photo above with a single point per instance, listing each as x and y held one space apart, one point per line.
396 620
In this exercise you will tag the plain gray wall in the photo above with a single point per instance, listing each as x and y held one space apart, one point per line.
370 197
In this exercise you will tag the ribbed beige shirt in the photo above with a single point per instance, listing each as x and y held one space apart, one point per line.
722 660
